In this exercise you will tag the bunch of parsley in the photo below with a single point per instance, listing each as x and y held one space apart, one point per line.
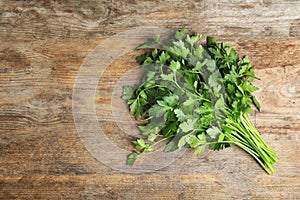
195 96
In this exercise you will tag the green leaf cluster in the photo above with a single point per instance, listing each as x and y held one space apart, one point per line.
195 96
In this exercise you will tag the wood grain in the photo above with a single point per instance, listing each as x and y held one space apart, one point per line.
44 43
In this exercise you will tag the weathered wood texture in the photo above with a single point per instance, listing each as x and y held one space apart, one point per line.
43 44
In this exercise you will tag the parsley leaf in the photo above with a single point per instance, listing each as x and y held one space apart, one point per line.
131 158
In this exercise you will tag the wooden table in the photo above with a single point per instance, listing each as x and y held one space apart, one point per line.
44 44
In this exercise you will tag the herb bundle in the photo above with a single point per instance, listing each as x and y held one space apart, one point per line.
195 96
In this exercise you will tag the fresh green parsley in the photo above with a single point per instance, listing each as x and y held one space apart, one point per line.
196 96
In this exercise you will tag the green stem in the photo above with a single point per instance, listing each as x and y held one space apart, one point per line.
159 141
232 140
246 136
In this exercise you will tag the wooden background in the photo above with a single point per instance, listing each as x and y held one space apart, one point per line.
43 44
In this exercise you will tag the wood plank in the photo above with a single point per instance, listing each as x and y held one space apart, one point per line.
44 43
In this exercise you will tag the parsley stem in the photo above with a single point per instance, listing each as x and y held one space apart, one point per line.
232 140
246 136
151 87
159 141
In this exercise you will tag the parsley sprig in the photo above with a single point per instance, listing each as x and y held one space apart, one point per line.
196 96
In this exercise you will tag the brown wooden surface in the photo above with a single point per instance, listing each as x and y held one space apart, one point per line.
43 44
